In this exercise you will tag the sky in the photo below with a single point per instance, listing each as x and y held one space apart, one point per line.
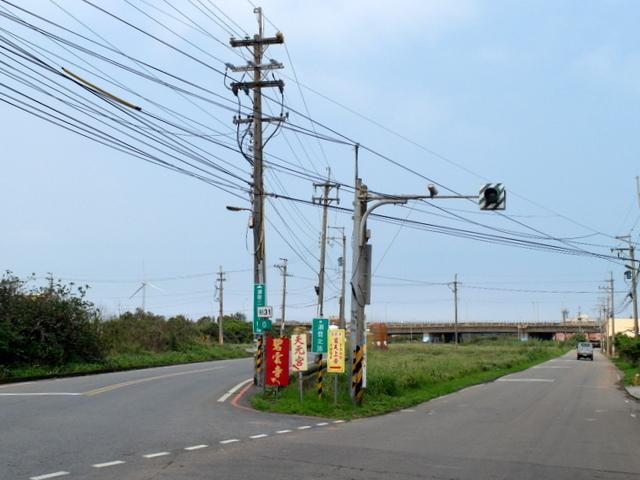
542 96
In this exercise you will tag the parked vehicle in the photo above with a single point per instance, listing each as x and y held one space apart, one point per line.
585 350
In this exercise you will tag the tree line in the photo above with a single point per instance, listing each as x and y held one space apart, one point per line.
55 325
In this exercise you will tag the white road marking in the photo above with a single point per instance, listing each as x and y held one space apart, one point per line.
38 394
526 380
49 475
108 464
338 421
234 390
232 440
262 435
196 447
284 431
322 424
154 455
304 427
552 366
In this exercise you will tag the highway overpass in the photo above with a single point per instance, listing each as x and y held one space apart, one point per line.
445 331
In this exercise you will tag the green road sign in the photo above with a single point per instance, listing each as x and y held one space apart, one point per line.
320 335
260 300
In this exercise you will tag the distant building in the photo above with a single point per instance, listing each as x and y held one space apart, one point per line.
623 325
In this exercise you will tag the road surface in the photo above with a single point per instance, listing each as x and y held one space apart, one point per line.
564 419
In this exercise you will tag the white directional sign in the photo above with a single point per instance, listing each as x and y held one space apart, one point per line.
265 312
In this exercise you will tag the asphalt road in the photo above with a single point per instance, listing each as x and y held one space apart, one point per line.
565 419
82 425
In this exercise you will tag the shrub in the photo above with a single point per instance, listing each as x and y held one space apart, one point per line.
50 325
628 349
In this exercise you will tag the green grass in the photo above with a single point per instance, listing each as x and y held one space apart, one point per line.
407 374
198 352
629 371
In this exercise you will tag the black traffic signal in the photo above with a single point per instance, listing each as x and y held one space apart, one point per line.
492 196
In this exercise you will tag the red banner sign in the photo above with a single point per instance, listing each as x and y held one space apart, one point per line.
277 361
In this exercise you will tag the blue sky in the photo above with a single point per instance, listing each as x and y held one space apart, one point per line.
542 96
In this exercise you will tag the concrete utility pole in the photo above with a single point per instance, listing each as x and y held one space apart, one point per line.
325 201
257 45
634 275
455 307
283 271
342 322
220 288
611 348
564 313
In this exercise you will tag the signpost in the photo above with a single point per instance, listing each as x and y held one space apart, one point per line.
320 327
336 354
261 312
299 359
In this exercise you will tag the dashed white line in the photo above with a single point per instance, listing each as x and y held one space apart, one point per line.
549 380
49 475
284 431
196 447
108 464
262 435
154 455
304 427
322 424
231 440
338 421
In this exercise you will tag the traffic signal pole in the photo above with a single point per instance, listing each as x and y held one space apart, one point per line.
491 197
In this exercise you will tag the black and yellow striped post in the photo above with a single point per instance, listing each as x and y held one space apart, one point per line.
320 375
356 374
258 358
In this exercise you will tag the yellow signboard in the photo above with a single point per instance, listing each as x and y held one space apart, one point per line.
336 351
299 352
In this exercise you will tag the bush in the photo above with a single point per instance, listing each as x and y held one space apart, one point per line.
628 349
49 326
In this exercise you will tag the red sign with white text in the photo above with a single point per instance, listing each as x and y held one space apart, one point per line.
277 361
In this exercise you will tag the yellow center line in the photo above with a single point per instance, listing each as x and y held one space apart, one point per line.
142 380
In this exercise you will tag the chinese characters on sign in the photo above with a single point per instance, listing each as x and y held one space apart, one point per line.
299 353
277 361
259 300
335 357
320 327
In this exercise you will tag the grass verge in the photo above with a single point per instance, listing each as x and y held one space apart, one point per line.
407 374
198 353
628 369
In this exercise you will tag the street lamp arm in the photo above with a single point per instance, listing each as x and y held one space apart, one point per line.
372 207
